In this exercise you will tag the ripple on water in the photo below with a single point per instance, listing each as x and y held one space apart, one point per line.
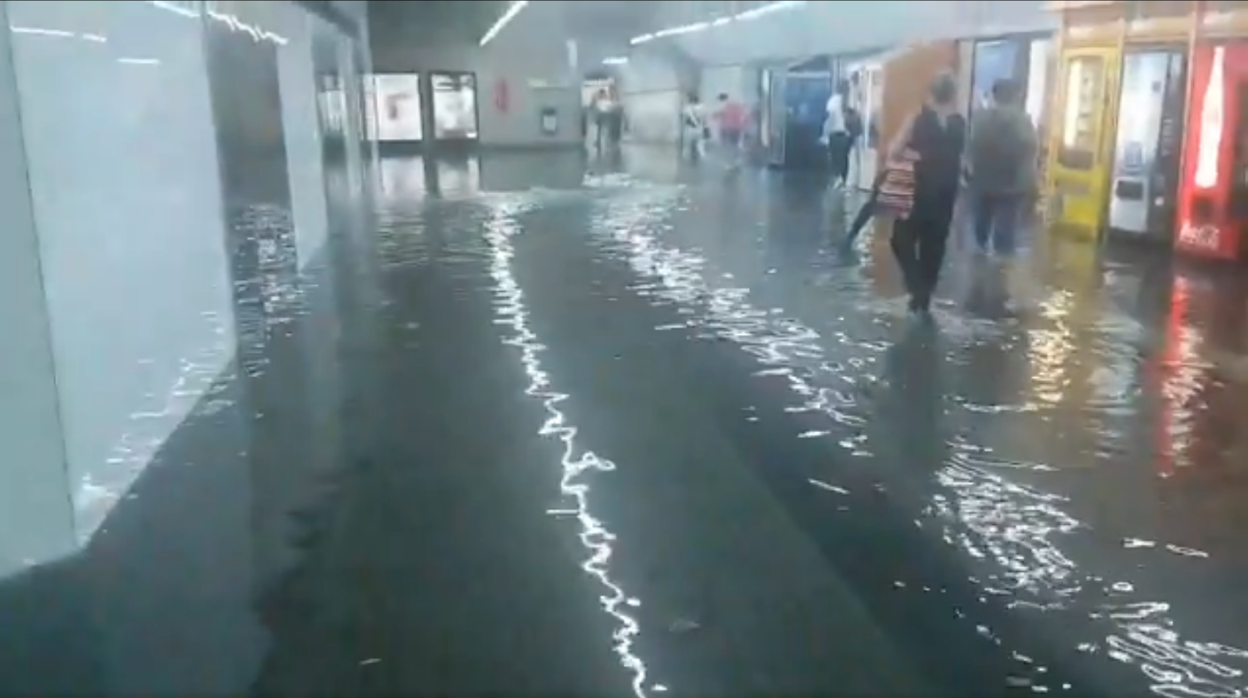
576 462
1022 545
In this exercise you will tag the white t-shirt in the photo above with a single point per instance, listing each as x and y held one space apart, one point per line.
693 113
836 114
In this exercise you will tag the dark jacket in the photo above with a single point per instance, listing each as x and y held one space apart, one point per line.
1002 151
939 146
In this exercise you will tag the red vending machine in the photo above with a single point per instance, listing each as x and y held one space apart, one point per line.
1213 205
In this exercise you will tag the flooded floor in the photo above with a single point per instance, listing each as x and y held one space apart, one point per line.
644 430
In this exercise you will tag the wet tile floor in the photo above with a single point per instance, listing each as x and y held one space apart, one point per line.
642 430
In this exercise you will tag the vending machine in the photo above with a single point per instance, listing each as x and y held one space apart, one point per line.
1144 188
1079 172
1213 204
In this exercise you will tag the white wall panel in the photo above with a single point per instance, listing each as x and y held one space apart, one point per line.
127 198
717 80
304 153
652 94
529 56
654 117
36 521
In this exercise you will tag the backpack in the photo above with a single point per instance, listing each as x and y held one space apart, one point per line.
1000 151
853 123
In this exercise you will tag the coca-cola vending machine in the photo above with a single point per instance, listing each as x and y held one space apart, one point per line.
1213 204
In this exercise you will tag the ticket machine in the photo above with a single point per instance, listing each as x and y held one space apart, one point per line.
1213 203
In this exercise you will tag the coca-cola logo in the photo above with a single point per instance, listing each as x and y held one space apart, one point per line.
1204 237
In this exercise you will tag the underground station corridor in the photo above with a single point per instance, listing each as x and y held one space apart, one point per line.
637 427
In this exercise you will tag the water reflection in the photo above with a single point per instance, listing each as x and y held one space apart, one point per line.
576 461
1026 550
995 475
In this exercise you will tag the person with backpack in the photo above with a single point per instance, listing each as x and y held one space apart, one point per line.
1002 162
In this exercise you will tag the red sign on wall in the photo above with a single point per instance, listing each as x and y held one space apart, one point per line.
502 95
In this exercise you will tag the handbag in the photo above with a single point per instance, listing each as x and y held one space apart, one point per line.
897 186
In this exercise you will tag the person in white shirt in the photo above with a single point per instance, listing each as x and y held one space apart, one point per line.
693 126
836 134
601 110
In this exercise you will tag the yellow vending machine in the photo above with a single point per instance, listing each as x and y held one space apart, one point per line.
1080 150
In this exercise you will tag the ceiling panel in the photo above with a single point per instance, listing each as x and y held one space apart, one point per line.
434 22
842 27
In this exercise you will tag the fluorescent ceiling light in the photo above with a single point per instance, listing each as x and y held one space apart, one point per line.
755 13
615 60
510 14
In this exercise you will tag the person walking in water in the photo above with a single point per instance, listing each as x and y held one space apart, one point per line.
732 119
693 126
601 108
837 133
1002 159
933 140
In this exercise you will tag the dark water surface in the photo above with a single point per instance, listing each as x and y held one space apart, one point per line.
642 430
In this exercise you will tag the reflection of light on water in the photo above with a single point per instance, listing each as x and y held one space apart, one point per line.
99 491
1182 373
1010 528
513 312
196 388
1051 349
787 348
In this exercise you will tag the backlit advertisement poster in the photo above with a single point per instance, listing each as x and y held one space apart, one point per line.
455 106
397 97
994 60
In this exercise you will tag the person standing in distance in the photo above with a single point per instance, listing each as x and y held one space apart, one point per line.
732 118
836 132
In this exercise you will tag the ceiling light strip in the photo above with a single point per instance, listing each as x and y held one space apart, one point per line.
744 15
510 14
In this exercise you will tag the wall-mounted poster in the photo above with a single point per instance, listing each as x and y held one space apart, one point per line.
398 107
455 106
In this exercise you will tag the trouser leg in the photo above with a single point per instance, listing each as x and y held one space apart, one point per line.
842 162
982 212
1005 223
932 238
905 250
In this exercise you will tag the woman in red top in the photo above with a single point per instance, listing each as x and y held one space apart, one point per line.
732 119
